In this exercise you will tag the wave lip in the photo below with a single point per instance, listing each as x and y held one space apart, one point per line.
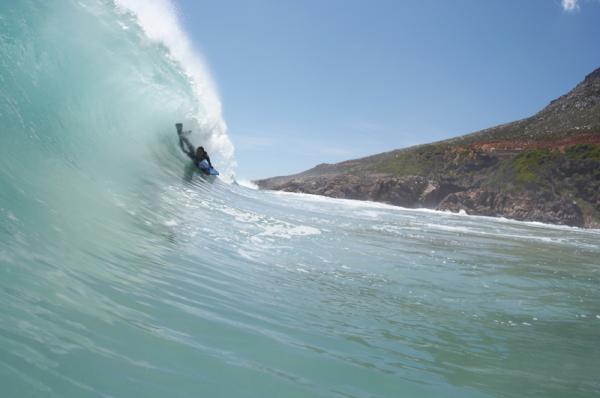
159 21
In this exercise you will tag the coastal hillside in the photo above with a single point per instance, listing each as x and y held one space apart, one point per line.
542 168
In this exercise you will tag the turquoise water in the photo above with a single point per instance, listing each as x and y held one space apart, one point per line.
124 274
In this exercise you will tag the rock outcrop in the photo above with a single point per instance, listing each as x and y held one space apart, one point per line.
544 208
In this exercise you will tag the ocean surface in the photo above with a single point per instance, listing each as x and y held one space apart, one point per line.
123 273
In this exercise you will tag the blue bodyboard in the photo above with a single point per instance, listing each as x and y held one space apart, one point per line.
207 169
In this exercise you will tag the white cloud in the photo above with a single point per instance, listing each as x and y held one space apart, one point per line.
570 5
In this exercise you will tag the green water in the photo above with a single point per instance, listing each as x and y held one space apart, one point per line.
123 274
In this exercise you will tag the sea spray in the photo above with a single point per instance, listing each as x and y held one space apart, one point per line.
159 21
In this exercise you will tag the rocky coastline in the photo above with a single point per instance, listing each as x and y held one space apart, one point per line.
543 168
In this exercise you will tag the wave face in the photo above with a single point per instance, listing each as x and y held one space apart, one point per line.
123 273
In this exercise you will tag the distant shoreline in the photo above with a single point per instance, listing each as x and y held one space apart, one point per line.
543 168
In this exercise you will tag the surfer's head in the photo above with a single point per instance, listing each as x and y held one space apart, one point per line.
179 127
200 152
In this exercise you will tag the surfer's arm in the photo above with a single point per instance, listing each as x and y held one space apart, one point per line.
208 159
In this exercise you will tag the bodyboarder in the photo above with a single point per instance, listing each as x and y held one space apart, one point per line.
199 156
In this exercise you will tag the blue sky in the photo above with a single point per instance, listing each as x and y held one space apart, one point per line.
311 81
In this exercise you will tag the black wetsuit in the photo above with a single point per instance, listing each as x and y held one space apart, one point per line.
188 149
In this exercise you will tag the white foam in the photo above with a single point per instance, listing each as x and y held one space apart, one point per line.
11 216
248 184
351 203
241 216
285 230
450 228
354 204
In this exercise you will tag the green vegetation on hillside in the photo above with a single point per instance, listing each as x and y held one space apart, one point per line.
534 169
531 166
421 161
584 152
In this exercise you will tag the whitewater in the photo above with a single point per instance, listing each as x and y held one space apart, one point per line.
124 273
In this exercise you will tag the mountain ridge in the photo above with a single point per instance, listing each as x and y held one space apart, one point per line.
544 167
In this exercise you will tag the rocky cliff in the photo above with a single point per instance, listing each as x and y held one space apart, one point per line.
542 168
